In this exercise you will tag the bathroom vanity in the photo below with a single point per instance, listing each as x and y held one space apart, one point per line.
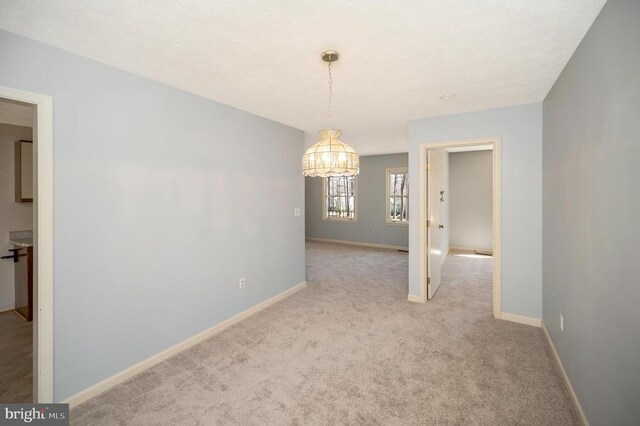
22 257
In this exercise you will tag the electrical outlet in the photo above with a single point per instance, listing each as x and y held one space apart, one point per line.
561 323
242 283
296 211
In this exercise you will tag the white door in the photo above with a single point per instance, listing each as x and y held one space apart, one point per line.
434 177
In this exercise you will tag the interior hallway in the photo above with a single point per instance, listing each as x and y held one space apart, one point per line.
16 359
350 349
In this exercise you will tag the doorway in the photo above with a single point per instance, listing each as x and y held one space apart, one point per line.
34 298
433 206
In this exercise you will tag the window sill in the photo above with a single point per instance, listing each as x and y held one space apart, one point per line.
397 223
330 219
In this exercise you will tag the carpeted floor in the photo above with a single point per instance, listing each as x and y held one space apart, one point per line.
350 349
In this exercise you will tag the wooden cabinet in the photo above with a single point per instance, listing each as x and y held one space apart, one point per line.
23 270
24 171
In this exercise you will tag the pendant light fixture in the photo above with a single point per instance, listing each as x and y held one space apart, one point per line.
330 156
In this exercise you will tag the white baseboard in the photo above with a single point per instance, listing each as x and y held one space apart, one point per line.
521 319
457 248
442 258
9 307
413 298
356 243
469 249
567 382
156 359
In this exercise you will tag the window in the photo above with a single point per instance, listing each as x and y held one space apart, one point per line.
398 195
340 198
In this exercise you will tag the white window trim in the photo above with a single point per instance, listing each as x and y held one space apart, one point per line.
387 213
324 204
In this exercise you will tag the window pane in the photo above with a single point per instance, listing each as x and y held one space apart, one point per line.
336 186
398 197
405 210
398 184
394 184
341 197
394 215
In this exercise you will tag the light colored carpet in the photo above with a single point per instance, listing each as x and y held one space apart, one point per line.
16 359
350 349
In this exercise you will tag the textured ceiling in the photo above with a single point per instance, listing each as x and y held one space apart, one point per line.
397 57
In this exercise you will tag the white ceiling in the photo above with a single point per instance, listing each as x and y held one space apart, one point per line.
397 57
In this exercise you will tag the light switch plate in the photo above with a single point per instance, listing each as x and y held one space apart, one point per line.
296 211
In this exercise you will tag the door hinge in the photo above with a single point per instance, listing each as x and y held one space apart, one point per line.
428 280
428 224
428 166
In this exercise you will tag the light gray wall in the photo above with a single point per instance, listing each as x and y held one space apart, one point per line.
471 184
591 216
13 216
371 226
520 130
163 200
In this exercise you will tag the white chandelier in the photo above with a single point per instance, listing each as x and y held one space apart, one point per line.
330 156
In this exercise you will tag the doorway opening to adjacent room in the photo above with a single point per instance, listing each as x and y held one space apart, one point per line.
434 237
33 184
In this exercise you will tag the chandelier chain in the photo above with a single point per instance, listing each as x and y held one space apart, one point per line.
330 157
329 116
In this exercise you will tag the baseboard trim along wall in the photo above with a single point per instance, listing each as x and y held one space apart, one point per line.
413 298
458 248
567 382
9 307
443 258
521 319
156 359
356 243
469 249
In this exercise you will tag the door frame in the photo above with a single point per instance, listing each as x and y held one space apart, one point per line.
497 229
43 239
429 173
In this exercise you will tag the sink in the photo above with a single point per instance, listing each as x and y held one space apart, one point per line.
22 258
22 242
21 239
